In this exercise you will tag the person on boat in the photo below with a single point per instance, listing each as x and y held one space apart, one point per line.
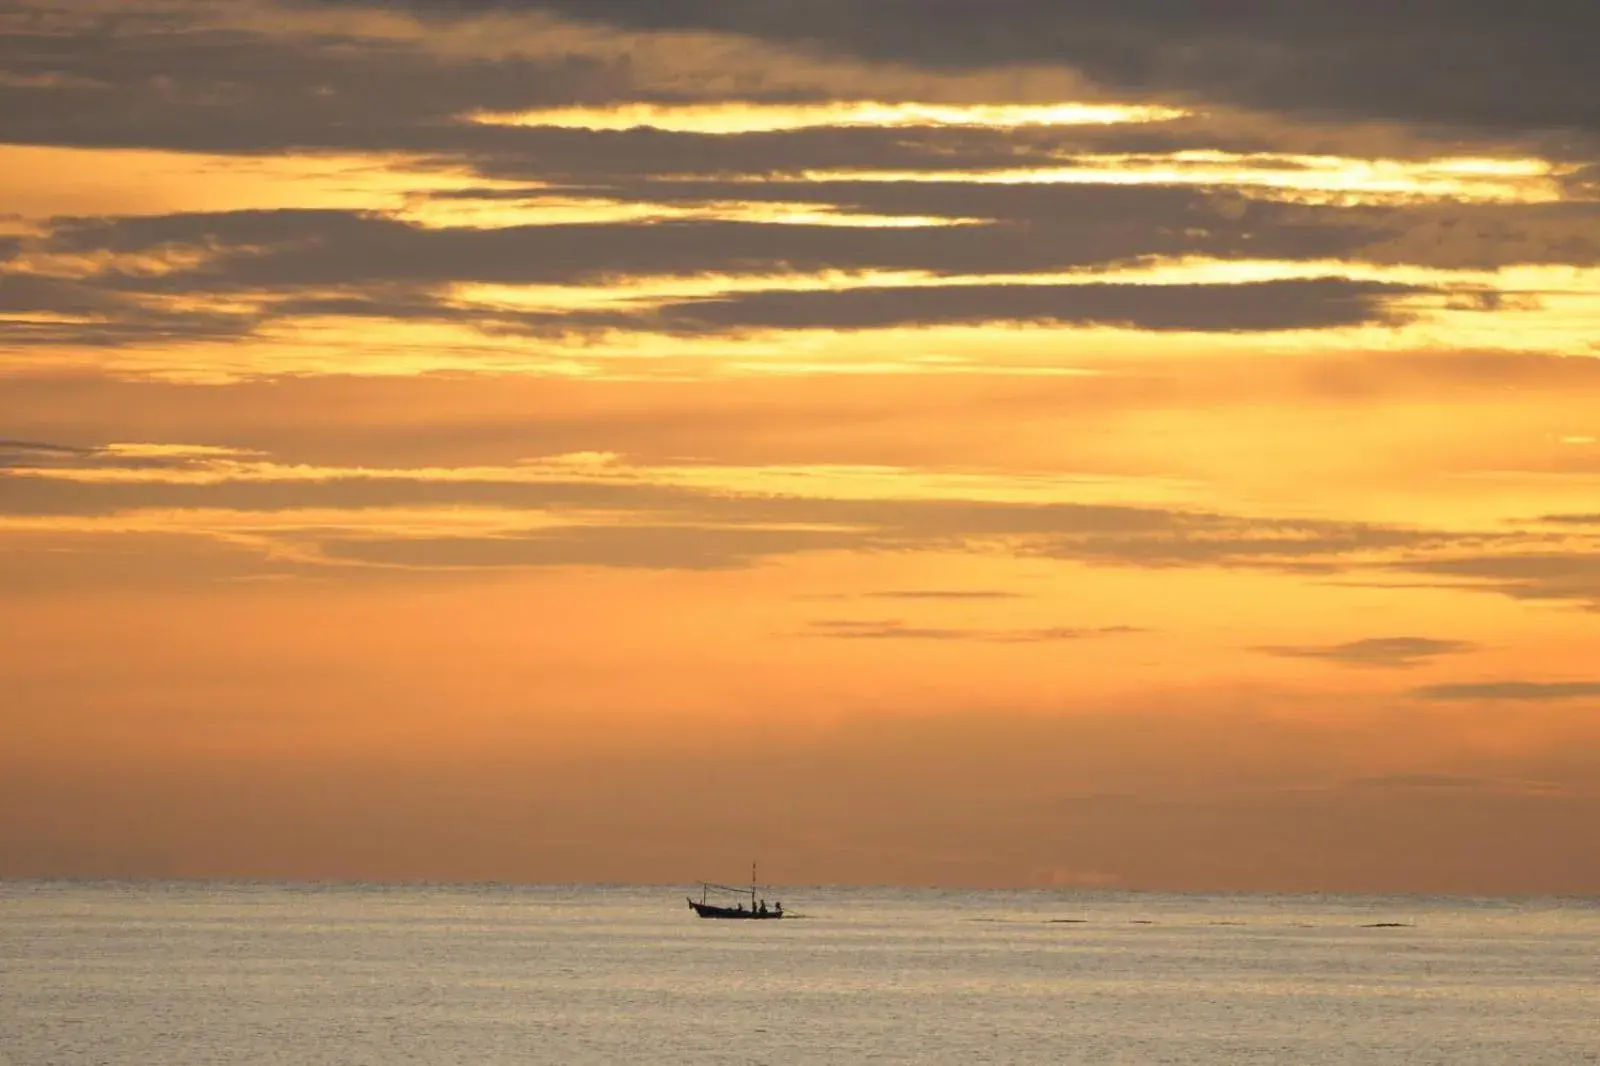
740 908
763 910
777 908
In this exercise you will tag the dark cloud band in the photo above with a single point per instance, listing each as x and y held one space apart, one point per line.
1531 63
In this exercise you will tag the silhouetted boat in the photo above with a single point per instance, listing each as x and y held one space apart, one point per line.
756 911
711 910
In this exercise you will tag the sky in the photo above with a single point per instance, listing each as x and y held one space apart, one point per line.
1041 444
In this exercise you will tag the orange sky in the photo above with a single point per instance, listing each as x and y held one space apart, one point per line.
509 444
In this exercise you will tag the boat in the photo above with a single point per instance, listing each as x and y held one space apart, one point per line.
756 911
711 910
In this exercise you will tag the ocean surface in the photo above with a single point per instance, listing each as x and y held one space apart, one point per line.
185 974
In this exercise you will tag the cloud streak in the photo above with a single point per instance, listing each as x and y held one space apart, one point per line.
1390 653
1573 574
1316 304
895 629
659 517
1509 691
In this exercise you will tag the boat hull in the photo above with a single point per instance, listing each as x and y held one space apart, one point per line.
708 910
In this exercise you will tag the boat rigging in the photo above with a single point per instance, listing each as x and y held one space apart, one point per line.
757 910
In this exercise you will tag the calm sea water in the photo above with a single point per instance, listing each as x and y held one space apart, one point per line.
191 974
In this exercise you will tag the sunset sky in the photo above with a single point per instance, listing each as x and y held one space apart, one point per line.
1022 443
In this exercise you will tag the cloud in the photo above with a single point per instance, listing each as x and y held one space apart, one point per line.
1394 653
1310 547
485 420
1322 58
40 458
61 311
254 75
55 563
1423 781
263 78
894 629
1477 236
257 77
234 274
1570 575
1511 690
37 455
1280 305
669 523
931 491
586 157
944 594
37 494
310 250
153 74
635 546
247 270
1111 221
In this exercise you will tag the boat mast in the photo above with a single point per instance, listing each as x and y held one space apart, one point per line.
752 887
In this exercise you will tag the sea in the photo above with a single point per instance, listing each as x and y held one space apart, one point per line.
217 974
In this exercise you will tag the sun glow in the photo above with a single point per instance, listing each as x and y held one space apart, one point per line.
38 182
1313 178
737 118
202 465
551 210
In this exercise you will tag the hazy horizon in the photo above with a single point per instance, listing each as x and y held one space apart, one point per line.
691 886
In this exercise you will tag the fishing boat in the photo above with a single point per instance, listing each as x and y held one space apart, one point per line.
756 911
